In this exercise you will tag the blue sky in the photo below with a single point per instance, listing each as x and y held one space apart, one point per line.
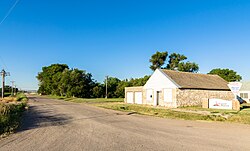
117 37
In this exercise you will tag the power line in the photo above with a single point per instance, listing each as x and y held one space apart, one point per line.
10 10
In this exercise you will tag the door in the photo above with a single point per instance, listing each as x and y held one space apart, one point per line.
158 94
130 97
138 97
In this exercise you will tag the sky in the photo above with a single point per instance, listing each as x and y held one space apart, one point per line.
118 37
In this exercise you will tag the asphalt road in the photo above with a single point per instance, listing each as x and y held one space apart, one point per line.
64 126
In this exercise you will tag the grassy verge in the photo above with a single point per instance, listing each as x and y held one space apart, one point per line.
10 114
242 116
86 100
184 113
97 100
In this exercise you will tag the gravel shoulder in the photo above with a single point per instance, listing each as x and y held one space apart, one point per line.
58 125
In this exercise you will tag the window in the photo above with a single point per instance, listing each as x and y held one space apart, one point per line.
149 95
168 96
244 95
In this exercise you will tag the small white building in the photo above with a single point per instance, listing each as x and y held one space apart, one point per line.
245 91
173 89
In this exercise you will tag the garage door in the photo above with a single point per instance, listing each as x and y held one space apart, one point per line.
138 97
130 97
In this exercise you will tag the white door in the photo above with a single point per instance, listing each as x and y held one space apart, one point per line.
130 97
138 97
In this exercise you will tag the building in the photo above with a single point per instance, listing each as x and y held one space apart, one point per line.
173 89
245 91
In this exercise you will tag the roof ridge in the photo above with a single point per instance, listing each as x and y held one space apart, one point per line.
190 72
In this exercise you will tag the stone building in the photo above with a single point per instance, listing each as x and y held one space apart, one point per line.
173 89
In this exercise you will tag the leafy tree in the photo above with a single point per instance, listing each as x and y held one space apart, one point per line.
112 84
226 74
50 77
58 79
158 60
99 91
188 67
175 62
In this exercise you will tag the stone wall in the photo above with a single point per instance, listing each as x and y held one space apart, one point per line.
190 97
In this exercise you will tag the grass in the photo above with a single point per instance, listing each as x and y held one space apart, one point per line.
242 116
86 100
184 113
11 109
10 114
96 100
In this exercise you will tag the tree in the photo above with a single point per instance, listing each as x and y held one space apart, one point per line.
158 60
226 74
99 91
175 62
188 67
49 78
112 85
58 79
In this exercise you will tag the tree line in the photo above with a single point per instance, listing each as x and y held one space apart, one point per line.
60 80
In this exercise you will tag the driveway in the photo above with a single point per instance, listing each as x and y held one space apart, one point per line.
65 126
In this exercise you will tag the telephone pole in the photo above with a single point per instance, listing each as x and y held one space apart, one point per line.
4 74
106 87
12 87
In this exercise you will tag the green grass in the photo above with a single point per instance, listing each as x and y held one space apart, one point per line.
21 97
10 115
242 116
96 100
86 100
184 113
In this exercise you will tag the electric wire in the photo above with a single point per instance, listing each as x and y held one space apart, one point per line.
8 13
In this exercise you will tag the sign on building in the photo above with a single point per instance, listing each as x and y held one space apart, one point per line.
220 104
235 87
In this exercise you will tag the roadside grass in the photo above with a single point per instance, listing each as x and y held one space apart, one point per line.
86 100
11 112
242 116
185 113
96 100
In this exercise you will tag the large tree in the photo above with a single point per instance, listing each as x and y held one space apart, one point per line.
226 74
158 60
175 62
49 78
58 79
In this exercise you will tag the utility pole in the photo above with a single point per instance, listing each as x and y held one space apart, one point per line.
106 87
4 74
15 90
12 87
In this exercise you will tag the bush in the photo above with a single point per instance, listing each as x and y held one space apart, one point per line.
10 115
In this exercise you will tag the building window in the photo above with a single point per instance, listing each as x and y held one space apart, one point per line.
149 95
168 95
244 95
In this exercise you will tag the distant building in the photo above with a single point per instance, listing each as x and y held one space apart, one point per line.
173 89
245 91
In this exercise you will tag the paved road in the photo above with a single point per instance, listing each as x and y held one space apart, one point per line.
64 126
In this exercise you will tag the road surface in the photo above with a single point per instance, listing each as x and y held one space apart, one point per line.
65 126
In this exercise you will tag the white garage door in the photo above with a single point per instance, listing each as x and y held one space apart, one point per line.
138 97
130 97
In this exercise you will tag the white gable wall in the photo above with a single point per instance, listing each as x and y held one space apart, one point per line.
159 81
